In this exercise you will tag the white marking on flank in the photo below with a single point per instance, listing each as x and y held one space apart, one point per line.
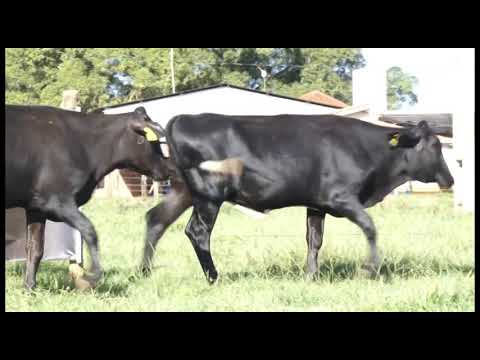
228 166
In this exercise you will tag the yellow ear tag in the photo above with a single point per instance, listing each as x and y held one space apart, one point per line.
151 136
394 140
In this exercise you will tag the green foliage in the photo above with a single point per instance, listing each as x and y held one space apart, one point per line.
109 76
400 88
106 76
330 71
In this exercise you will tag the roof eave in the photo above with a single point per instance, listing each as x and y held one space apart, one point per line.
210 88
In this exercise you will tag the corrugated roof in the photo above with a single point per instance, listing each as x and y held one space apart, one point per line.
441 123
324 99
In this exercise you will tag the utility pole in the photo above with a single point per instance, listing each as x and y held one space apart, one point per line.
264 76
172 71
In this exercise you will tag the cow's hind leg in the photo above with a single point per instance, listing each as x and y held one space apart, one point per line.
198 230
67 211
160 218
315 226
353 210
34 246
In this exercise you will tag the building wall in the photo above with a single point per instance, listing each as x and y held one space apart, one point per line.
369 86
464 128
464 135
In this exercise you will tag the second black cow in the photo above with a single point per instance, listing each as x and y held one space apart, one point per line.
329 164
54 158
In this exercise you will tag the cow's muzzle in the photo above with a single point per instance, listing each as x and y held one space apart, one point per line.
445 183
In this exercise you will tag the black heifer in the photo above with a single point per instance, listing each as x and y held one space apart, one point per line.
329 164
55 158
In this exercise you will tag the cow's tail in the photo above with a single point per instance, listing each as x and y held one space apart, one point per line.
174 155
170 138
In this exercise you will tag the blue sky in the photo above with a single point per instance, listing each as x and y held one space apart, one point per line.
445 75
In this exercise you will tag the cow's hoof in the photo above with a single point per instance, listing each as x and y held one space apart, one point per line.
212 279
81 279
369 271
30 287
145 271
311 276
82 283
87 281
75 270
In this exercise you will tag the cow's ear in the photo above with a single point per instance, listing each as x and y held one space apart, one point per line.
403 138
140 110
423 125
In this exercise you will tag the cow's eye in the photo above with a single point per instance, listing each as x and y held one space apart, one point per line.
140 140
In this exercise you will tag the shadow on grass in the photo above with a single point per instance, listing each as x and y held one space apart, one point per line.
337 270
333 269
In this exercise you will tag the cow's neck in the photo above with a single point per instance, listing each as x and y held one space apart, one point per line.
104 155
391 174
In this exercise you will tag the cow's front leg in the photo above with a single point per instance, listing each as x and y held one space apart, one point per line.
34 246
160 218
315 226
353 210
198 230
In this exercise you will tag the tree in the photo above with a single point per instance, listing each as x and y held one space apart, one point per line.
112 76
292 71
400 88
328 70
77 71
39 76
28 71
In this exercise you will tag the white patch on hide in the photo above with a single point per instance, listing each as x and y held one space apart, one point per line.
228 166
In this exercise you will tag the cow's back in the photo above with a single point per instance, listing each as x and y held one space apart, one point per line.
208 136
287 159
38 144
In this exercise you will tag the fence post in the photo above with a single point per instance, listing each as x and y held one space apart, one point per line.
155 190
70 100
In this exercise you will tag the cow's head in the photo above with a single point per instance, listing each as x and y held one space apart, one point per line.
140 146
424 156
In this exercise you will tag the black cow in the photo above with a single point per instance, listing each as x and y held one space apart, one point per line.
329 164
55 158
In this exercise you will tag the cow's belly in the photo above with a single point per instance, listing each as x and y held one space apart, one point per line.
18 189
257 183
267 190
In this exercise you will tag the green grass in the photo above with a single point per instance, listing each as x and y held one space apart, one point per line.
428 265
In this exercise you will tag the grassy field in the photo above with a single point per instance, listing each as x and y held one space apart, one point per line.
428 263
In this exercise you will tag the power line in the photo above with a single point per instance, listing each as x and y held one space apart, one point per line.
264 65
263 73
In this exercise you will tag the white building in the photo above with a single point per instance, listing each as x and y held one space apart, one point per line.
222 99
